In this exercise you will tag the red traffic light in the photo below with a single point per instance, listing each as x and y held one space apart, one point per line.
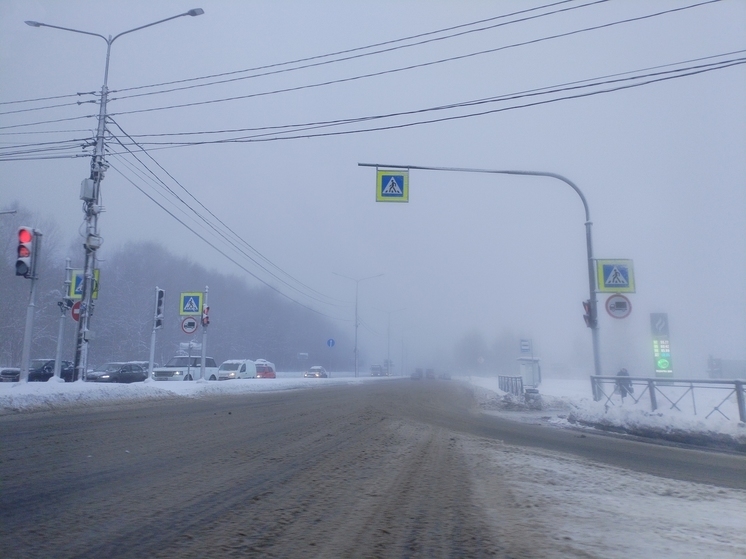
24 264
25 235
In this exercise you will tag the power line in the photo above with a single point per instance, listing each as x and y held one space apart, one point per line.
655 77
223 224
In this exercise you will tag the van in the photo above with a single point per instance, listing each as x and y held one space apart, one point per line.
236 368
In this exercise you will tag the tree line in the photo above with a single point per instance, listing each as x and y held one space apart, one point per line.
246 321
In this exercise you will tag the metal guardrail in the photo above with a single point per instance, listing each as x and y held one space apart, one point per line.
512 385
673 391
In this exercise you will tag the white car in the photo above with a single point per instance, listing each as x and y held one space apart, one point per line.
236 368
182 367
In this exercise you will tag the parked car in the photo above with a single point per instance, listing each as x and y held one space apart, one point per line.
41 370
183 367
265 369
236 368
10 374
315 372
117 372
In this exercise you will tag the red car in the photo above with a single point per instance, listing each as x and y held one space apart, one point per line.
265 369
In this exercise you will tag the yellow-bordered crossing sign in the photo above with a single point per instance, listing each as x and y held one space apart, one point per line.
392 186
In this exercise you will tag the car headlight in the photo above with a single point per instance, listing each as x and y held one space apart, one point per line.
104 376
176 373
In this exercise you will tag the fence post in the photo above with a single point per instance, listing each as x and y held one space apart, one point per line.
740 400
594 389
653 400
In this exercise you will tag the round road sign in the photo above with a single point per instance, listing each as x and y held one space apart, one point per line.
330 342
189 325
75 311
618 306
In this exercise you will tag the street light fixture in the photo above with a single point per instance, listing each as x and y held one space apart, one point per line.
91 193
357 322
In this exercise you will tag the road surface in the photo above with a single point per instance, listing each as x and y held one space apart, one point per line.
396 468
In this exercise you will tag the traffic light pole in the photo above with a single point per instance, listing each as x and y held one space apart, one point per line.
588 236
26 355
157 323
205 323
64 304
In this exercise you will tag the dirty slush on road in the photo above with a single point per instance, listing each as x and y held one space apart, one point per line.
334 472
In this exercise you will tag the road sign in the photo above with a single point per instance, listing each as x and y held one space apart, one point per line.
189 325
76 285
525 346
330 342
615 276
618 306
190 304
75 311
392 186
661 345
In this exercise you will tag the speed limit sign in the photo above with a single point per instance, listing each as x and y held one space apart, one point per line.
189 325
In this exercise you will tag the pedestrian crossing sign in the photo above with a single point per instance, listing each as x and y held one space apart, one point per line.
76 284
615 276
392 186
190 304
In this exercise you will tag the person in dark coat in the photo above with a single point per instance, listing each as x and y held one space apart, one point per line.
624 384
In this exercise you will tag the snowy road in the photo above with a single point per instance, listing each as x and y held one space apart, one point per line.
388 469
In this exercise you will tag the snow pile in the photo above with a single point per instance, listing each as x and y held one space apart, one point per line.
570 403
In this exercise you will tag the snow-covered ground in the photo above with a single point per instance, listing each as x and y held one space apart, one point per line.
563 402
565 506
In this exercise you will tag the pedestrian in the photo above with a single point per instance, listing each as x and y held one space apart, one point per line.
624 385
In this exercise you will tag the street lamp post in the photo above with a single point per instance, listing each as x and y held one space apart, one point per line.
588 237
357 322
90 193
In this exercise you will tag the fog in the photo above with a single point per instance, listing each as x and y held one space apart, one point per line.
494 257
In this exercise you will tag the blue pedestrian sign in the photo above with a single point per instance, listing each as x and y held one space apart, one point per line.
615 276
330 342
392 186
190 304
76 286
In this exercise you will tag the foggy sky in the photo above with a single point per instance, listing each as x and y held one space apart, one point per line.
663 166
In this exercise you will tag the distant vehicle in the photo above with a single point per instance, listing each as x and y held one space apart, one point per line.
417 375
315 372
429 373
41 370
144 364
265 369
377 371
118 372
236 368
10 374
444 376
182 367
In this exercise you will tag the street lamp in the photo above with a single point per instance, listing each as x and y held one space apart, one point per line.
593 322
90 193
388 339
357 322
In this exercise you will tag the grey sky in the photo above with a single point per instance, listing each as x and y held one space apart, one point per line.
663 166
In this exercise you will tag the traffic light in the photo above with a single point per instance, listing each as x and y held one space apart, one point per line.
587 316
24 263
205 315
160 295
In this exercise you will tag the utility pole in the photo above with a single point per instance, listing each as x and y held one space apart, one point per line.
90 193
357 320
205 324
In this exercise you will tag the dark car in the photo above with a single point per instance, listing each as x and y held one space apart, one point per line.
377 371
315 372
118 372
41 370
10 374
417 375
